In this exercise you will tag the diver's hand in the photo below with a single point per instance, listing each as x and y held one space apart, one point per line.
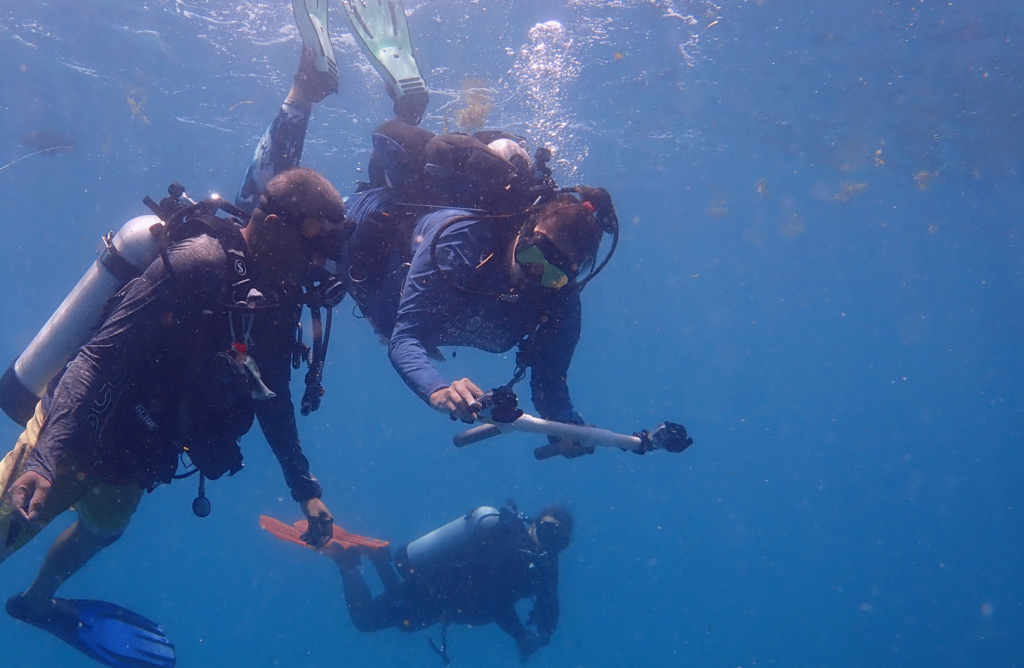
321 522
529 644
458 400
568 448
28 494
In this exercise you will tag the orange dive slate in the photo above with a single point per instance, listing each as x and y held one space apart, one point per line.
292 533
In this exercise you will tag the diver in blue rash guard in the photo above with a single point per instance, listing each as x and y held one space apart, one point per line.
477 294
467 279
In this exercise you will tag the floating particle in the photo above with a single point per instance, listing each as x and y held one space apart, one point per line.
762 188
849 191
924 179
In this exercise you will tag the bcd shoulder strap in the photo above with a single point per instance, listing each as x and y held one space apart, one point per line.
186 220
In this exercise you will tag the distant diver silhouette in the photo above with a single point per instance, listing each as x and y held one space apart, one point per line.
44 141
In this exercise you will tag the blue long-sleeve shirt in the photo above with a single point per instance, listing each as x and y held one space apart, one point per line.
455 303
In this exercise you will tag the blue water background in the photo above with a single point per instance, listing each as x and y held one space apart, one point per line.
819 274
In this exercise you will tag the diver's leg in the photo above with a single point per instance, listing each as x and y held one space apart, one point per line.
104 512
72 550
381 560
317 77
367 613
357 597
278 150
410 108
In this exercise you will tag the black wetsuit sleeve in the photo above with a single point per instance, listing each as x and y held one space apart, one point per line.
545 610
550 352
544 615
508 621
126 340
277 416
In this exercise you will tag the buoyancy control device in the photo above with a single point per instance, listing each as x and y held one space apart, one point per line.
489 171
488 174
122 257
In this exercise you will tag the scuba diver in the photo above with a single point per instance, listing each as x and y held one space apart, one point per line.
471 571
171 370
458 240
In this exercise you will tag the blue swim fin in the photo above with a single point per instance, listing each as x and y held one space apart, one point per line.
105 632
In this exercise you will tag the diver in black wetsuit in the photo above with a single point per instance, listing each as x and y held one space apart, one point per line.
471 571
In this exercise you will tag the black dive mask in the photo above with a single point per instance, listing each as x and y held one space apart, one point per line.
552 535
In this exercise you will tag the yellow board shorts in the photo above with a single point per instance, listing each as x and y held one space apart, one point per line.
103 510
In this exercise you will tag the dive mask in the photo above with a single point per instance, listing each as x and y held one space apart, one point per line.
552 535
558 269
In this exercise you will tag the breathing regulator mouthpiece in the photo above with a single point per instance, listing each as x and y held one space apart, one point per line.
325 289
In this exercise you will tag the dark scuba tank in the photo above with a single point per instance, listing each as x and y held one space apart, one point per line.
451 543
123 256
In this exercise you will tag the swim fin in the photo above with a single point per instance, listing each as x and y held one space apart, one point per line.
293 533
311 18
382 30
105 632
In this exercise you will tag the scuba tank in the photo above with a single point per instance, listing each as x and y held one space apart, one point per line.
124 256
448 544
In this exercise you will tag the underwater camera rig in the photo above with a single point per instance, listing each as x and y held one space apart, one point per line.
500 414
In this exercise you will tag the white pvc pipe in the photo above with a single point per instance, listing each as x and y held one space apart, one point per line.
534 425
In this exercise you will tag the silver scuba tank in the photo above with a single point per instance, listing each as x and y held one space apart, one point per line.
123 256
448 544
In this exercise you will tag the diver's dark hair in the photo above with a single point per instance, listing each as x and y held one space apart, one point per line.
298 193
575 222
559 512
